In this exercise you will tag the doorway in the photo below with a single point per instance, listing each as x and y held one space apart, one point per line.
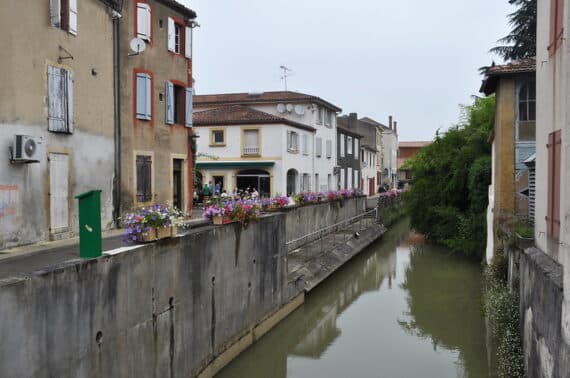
254 178
215 181
292 176
177 183
59 193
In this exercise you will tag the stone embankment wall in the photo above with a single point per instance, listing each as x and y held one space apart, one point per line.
175 308
546 352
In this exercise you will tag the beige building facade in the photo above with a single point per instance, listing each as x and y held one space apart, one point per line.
57 95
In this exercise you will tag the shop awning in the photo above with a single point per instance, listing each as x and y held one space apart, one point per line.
233 164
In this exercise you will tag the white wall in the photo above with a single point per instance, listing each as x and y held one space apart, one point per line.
368 171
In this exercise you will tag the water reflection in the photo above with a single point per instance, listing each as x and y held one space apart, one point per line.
389 313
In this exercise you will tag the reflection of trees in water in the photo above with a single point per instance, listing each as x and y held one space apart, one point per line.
444 294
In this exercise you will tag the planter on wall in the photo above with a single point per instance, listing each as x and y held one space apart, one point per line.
524 243
157 233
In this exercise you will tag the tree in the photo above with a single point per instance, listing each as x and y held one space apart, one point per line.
448 198
521 42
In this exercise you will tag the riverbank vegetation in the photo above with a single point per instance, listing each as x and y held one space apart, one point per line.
448 198
502 310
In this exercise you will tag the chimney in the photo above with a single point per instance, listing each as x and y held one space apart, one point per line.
352 118
396 128
390 122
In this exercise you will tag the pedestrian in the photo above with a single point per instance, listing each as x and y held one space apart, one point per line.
217 188
206 193
254 194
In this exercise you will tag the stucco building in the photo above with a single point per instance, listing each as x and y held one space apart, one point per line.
348 155
57 91
387 155
406 150
156 104
279 142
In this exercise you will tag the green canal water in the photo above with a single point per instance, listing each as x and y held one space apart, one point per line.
400 309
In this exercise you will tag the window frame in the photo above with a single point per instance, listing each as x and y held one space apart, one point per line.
213 142
292 136
150 195
180 25
66 99
136 119
349 145
180 105
148 7
242 142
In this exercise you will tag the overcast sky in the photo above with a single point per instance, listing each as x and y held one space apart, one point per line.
415 59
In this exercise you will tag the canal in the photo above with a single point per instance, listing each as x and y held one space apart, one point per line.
400 309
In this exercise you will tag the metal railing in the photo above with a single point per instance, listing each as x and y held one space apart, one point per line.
354 223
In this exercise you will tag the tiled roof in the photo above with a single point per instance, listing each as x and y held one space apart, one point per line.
175 5
418 144
525 66
262 97
240 115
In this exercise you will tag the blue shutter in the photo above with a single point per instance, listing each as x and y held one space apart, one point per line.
169 94
148 97
189 107
141 96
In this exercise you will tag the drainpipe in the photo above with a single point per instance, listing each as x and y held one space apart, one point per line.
117 115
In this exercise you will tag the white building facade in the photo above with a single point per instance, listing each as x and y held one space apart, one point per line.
368 163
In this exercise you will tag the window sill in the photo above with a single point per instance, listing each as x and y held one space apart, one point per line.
292 151
250 155
217 145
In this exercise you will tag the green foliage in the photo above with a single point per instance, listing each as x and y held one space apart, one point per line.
448 198
520 43
525 230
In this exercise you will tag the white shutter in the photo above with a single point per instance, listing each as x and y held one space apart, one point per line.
349 178
57 104
289 140
329 149
341 145
59 192
143 96
188 43
171 40
73 17
189 94
319 147
148 97
169 95
356 148
55 13
143 21
69 100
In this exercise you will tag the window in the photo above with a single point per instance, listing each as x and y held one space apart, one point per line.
144 178
143 22
556 25
527 111
349 182
178 104
319 116
306 182
319 147
328 117
143 96
341 145
63 15
60 100
305 144
317 182
329 149
292 141
356 149
342 179
217 138
349 145
250 142
553 211
179 38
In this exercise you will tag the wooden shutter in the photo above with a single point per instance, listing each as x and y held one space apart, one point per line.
143 96
73 17
55 13
171 39
144 178
189 94
559 23
329 148
143 21
69 100
169 97
554 160
57 99
319 147
188 43
59 192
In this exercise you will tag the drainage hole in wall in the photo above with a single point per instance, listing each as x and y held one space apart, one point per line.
171 302
99 337
254 261
213 279
249 284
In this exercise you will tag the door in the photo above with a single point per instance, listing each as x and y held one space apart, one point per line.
59 192
177 183
371 187
218 185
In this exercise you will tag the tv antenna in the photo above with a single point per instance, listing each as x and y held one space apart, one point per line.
286 74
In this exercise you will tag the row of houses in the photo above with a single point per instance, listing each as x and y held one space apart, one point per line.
285 142
96 94
530 146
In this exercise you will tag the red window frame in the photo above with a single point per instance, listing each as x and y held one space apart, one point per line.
152 108
180 103
182 48
136 23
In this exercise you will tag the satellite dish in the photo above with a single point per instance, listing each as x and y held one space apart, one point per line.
281 108
137 45
299 109
289 108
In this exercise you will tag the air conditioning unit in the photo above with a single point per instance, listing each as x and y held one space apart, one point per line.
25 149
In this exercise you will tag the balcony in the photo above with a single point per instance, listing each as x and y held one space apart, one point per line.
250 151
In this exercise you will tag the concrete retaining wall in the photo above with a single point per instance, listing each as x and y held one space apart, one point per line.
546 353
164 309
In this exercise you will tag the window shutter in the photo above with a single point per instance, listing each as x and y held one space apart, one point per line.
143 21
169 94
73 17
171 41
188 43
289 142
143 96
57 112
559 23
556 185
329 148
553 20
189 107
69 100
55 13
319 147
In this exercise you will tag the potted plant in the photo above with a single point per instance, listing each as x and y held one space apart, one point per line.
152 223
215 213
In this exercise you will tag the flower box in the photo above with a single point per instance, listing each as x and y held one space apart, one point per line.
163 232
156 233
218 219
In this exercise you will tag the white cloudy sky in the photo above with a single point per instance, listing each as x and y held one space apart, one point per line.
415 59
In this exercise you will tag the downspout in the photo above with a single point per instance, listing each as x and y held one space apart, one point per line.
117 115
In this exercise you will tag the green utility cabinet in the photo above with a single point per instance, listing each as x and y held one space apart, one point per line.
90 244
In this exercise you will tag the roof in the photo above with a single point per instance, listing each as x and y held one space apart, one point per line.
175 5
240 115
346 130
257 98
374 122
418 144
493 73
369 147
